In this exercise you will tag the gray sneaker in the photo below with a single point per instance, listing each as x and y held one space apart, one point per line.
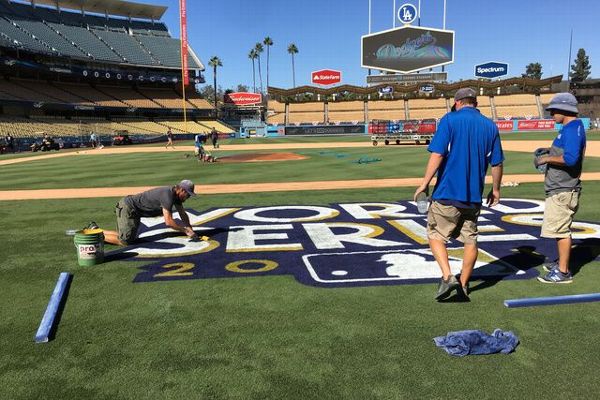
465 291
550 266
446 287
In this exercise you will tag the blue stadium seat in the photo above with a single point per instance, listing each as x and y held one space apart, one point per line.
127 46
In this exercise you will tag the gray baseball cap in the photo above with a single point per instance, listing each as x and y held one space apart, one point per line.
563 101
463 93
188 186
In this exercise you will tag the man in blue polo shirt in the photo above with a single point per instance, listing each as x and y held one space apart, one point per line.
463 146
562 184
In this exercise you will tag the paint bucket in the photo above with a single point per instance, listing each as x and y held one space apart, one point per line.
90 247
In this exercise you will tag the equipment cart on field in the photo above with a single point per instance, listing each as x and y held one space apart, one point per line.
402 132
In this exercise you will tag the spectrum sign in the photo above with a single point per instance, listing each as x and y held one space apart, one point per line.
491 69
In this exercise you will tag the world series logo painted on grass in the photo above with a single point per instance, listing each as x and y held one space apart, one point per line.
350 244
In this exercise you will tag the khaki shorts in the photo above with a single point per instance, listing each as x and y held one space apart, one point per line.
449 222
127 223
558 214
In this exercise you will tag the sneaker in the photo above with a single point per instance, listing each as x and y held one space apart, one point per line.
92 225
550 266
465 291
555 276
446 287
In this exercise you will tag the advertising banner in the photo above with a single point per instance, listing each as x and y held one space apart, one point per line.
326 77
491 69
408 78
324 130
535 125
407 49
243 98
504 125
184 42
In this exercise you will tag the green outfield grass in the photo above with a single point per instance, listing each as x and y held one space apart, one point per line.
266 337
146 169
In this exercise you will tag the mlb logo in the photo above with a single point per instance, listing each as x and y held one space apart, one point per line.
406 266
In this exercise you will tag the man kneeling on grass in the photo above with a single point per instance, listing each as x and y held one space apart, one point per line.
151 203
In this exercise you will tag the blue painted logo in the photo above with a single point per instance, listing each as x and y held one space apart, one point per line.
427 88
386 90
407 13
344 245
491 70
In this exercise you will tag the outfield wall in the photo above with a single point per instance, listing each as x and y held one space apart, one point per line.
529 125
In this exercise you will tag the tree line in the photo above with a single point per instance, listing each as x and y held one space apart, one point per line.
580 69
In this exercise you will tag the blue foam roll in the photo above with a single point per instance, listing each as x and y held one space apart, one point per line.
48 320
547 301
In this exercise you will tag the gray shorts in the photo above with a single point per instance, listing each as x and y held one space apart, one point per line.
127 223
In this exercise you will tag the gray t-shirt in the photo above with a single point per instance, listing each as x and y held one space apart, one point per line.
562 178
151 202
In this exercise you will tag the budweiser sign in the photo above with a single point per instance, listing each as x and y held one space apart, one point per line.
535 124
243 98
326 77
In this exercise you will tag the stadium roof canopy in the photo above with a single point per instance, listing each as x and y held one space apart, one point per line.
110 7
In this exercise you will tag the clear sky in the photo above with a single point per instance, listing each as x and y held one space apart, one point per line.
328 33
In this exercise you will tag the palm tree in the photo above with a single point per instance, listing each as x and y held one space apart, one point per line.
252 55
292 49
268 42
215 62
259 49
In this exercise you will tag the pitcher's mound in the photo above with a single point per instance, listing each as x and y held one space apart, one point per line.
261 157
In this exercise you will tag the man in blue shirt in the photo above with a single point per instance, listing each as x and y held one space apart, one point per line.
463 146
562 184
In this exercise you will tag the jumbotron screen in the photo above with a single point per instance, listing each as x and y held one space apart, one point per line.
407 49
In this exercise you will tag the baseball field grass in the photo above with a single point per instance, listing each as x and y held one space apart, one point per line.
267 337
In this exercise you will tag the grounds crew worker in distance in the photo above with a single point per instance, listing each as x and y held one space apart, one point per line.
151 203
463 146
562 184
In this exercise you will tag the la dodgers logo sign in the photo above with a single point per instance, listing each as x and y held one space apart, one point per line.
351 244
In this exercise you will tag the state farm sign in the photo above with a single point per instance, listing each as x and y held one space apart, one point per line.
326 77
243 98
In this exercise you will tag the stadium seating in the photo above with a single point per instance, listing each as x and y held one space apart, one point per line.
345 106
126 46
129 96
516 106
426 108
386 105
86 41
517 111
219 126
45 30
276 106
346 116
24 93
22 39
165 49
49 36
276 119
166 98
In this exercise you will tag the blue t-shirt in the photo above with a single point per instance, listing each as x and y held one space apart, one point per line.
469 143
570 143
